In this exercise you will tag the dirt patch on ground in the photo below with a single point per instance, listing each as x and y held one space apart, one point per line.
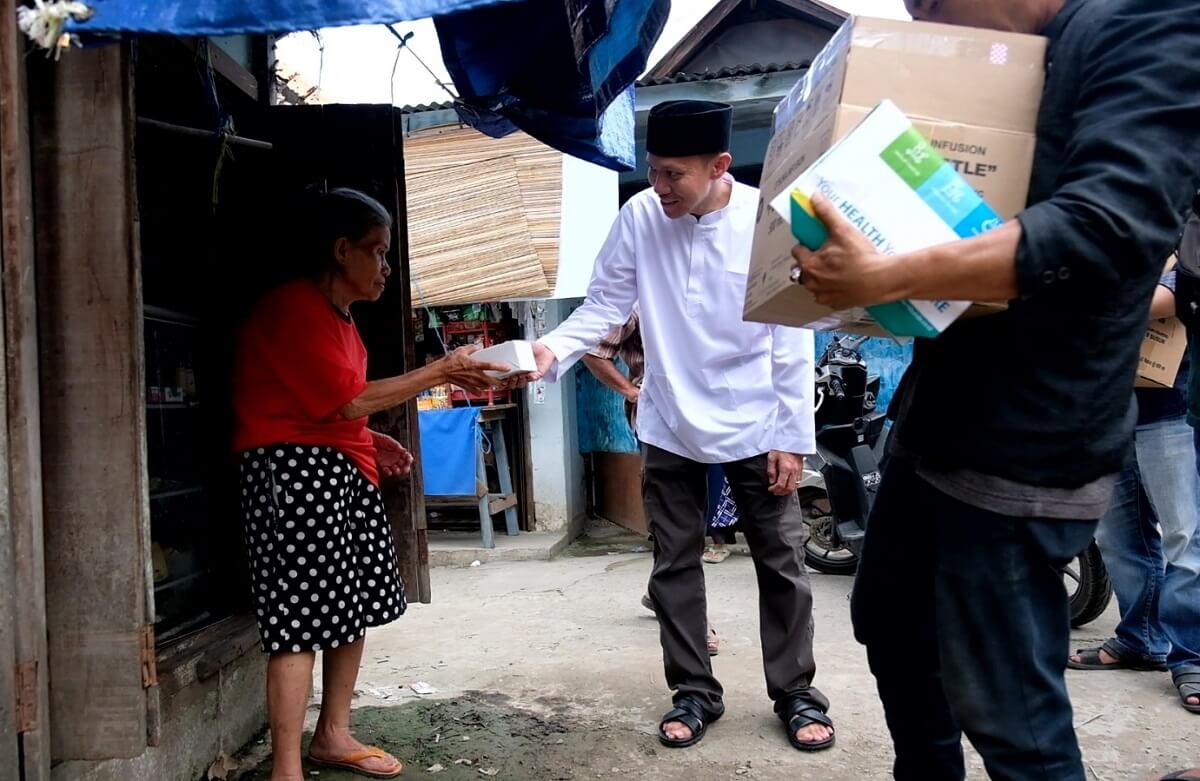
607 542
481 735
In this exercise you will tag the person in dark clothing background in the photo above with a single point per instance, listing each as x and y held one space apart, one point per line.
1188 309
1011 429
1150 540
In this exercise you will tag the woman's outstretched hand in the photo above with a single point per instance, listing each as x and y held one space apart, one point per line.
460 369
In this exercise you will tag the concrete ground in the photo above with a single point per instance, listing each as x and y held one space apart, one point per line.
551 670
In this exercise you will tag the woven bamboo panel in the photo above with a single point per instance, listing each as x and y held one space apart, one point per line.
541 191
538 173
469 239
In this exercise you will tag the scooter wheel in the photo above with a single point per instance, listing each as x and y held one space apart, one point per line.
822 551
1088 586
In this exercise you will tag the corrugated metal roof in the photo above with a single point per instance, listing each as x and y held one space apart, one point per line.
421 108
755 69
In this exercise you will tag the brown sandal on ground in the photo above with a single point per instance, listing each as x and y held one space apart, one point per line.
353 763
1179 775
713 643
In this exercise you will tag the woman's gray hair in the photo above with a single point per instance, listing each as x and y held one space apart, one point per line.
342 213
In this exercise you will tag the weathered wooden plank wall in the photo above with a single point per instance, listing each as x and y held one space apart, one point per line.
93 418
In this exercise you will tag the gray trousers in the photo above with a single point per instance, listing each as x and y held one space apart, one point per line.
675 493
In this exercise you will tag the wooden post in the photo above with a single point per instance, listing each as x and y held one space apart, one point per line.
22 429
10 752
97 536
414 526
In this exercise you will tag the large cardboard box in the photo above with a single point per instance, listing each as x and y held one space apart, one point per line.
974 94
1162 353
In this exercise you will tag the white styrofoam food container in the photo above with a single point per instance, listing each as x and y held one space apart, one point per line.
518 354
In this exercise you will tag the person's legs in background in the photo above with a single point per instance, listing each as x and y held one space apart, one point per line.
722 515
723 537
1130 544
1167 464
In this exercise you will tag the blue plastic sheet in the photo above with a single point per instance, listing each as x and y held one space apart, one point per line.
449 442
561 70
519 66
232 17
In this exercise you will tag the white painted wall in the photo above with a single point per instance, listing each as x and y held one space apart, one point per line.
558 478
589 206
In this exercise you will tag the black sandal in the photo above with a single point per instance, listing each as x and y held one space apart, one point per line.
1178 775
1089 659
690 713
798 714
1187 681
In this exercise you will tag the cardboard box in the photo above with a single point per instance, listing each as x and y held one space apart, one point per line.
974 94
1162 353
902 195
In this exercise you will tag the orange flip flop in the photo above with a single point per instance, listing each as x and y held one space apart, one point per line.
352 762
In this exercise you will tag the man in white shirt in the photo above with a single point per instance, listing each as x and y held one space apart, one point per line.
717 390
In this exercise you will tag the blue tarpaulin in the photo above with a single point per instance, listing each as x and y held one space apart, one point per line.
449 442
233 17
560 70
521 66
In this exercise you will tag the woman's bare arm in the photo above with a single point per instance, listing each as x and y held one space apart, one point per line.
457 368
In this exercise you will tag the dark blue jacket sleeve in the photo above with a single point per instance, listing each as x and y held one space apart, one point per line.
1132 164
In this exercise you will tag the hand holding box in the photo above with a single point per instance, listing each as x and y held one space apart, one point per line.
517 354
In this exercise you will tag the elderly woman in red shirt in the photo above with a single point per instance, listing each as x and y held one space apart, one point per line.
322 562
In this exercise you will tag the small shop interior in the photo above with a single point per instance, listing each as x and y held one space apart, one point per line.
442 329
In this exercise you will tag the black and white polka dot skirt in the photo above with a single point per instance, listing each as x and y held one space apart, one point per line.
322 562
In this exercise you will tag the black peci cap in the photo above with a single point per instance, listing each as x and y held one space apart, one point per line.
682 128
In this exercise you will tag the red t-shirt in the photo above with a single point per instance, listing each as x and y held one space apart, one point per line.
298 363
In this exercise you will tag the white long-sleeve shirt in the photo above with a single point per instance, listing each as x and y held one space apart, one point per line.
717 389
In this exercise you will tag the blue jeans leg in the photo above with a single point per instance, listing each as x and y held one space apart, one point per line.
1167 466
1129 541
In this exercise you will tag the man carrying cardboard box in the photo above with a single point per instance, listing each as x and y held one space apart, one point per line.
717 390
1011 428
